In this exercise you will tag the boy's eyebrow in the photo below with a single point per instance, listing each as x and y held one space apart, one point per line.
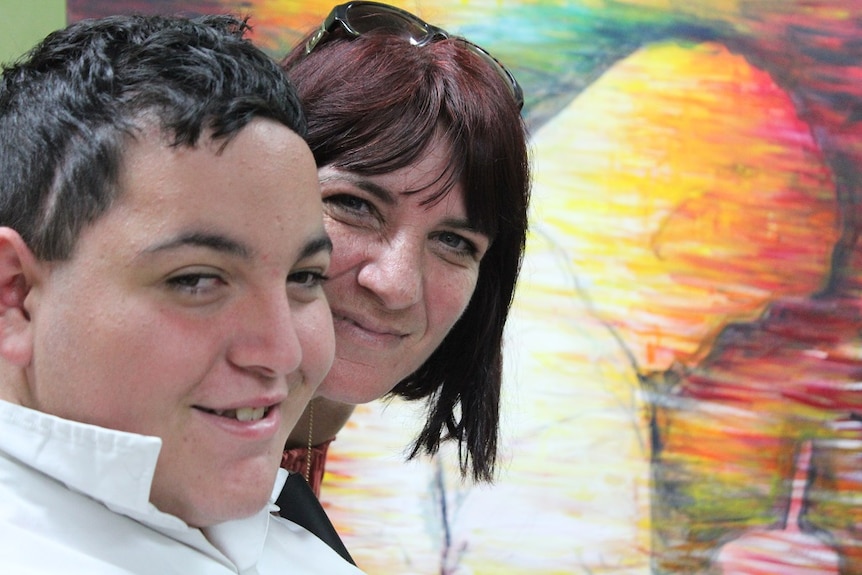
224 244
217 242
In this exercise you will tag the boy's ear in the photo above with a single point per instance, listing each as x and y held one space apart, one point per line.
18 267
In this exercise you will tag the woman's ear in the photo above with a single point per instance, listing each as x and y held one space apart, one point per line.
18 266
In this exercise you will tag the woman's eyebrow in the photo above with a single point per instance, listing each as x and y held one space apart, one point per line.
376 190
462 224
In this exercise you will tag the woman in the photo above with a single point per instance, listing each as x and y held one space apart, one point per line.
422 159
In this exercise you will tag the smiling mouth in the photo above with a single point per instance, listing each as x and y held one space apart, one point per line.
240 414
377 331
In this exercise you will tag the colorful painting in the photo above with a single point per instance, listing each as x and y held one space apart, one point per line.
684 362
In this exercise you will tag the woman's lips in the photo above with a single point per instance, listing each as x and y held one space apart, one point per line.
367 331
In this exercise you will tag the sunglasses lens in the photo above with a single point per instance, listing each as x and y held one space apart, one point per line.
358 18
368 18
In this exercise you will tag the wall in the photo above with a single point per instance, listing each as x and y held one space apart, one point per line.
684 356
22 24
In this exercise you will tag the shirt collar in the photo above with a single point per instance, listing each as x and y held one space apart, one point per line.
111 466
242 541
114 467
117 468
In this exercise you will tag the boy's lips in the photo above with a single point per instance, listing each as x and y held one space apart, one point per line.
245 423
240 413
245 410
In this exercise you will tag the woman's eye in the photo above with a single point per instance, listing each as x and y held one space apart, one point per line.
307 279
350 203
455 242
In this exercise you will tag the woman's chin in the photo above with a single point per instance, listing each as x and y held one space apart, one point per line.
348 383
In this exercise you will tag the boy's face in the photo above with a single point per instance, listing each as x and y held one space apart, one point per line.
192 311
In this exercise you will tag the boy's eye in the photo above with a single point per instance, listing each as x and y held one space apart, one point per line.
307 279
194 282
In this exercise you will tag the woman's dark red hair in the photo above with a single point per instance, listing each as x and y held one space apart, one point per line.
373 104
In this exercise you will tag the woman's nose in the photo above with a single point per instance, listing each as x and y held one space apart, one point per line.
394 271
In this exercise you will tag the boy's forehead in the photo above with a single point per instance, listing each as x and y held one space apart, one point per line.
264 162
151 148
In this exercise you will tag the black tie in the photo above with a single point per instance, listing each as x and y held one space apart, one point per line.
297 503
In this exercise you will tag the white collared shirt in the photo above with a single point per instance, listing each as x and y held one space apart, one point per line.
74 499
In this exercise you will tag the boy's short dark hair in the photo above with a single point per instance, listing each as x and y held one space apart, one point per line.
68 107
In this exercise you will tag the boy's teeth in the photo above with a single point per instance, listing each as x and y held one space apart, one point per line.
248 413
241 414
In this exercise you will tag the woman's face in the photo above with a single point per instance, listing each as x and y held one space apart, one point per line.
402 273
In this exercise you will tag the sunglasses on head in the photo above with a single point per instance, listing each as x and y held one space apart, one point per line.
358 18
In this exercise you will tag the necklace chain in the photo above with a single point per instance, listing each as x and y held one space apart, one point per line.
309 446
